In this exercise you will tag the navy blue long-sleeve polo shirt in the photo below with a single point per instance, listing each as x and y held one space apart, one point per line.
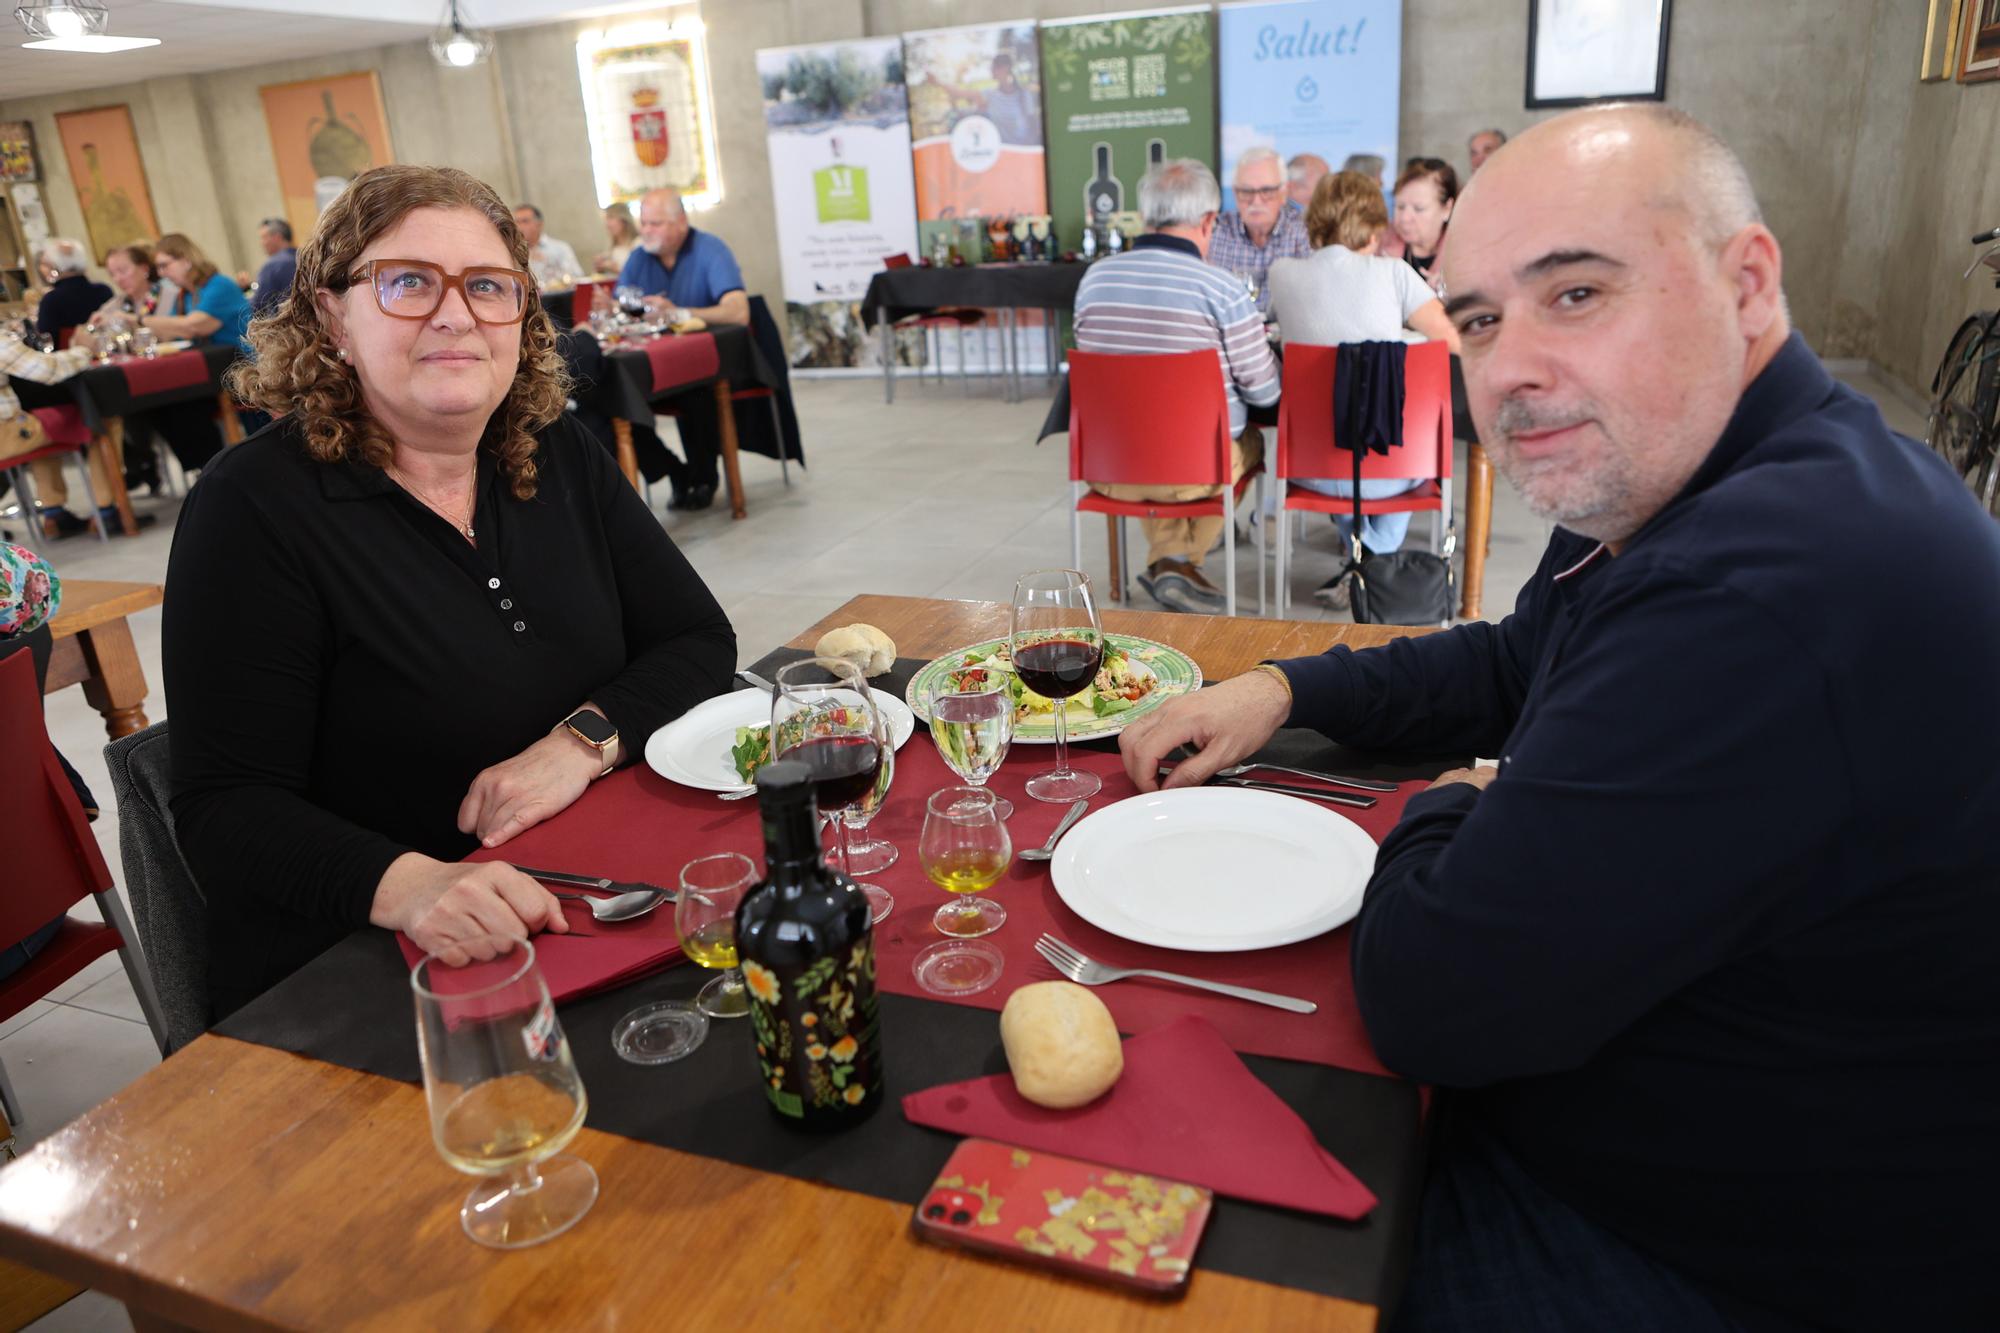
1714 955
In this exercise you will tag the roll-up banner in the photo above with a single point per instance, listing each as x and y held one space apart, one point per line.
1123 91
837 121
975 123
1311 76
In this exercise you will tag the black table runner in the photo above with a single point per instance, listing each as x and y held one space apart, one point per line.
914 290
102 392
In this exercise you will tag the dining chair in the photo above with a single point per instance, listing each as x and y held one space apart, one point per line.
67 436
1307 448
167 904
53 863
1154 420
956 317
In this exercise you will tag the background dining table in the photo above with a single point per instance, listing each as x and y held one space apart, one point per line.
241 1186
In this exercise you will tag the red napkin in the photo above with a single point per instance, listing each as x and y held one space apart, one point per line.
180 370
595 955
580 302
683 358
1186 1107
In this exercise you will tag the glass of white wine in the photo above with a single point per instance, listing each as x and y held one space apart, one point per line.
504 1096
705 917
973 724
965 849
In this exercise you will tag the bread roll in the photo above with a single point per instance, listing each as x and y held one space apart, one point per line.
1061 1044
864 645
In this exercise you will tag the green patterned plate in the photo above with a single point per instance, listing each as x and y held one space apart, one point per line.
1171 672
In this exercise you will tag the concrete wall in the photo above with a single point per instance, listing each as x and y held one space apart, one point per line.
1871 181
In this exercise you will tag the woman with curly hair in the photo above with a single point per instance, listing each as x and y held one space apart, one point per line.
419 613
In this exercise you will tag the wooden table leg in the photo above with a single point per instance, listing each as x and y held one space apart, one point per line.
1111 540
110 442
1478 527
116 685
232 425
732 467
628 458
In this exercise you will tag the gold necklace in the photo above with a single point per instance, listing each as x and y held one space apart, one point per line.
464 525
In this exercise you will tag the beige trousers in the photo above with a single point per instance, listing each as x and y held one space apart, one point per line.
1186 539
23 434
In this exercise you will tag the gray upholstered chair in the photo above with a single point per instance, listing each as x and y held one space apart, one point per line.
167 905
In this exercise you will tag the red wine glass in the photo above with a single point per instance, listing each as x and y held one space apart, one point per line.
1057 646
824 716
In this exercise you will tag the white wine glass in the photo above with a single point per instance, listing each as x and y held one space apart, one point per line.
972 723
504 1096
1057 646
964 849
705 918
868 855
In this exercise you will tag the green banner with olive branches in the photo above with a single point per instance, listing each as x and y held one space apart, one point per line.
1122 92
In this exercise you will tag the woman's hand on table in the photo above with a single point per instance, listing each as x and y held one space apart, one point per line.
441 905
1227 723
536 784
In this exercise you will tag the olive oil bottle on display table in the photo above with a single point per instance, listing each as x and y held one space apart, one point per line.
807 948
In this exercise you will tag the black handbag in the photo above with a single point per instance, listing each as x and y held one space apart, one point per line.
1406 587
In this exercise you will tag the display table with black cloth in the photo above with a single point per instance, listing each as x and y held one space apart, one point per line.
919 289
108 393
241 1185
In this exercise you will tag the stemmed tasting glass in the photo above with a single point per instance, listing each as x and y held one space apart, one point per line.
1057 645
867 855
503 1092
823 715
973 724
964 848
711 887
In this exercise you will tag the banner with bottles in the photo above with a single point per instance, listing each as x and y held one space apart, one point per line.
836 119
1123 93
975 123
1312 76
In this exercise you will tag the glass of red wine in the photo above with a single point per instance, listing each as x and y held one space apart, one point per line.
824 716
1057 647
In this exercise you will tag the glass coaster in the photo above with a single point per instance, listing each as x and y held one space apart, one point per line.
958 967
880 901
656 1034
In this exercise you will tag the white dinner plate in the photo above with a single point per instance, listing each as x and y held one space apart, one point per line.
694 748
1214 869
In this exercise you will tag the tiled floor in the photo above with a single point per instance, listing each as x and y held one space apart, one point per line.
941 495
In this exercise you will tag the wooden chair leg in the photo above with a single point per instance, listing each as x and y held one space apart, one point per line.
1111 542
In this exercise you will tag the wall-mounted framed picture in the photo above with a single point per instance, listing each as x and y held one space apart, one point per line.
1940 45
324 133
1584 51
17 152
1979 42
110 179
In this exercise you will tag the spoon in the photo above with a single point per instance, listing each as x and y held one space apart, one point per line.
1048 849
620 906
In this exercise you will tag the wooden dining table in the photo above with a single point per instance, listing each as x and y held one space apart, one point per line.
238 1187
93 648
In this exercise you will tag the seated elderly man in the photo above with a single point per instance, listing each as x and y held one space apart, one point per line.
72 298
1161 296
274 279
1264 227
553 262
1703 968
687 272
1302 176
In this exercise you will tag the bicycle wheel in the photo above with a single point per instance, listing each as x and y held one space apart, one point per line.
1961 429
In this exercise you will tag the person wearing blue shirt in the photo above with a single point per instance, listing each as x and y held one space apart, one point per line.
1701 966
683 271
274 280
210 305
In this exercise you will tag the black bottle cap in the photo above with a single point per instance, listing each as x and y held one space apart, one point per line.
783 778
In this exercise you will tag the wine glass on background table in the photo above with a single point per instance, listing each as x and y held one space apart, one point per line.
504 1096
972 722
824 716
705 917
868 855
1057 644
964 848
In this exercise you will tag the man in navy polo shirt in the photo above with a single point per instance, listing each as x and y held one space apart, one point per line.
1703 969
687 272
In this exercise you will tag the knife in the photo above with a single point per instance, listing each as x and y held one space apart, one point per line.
1239 770
600 884
1310 793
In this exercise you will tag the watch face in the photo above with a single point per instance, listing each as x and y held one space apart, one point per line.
593 727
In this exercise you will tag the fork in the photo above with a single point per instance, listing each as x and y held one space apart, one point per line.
1089 972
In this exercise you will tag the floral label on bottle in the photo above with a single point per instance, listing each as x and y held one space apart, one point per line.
818 1031
541 1035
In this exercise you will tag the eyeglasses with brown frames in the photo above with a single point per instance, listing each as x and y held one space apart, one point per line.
415 288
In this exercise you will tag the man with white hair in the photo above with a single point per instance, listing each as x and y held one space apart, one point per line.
1263 227
1702 969
1160 296
72 298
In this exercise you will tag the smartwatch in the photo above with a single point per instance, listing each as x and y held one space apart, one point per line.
594 730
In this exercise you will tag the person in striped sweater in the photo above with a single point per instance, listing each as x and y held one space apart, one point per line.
1162 296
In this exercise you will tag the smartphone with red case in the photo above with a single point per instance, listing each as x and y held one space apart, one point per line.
1075 1217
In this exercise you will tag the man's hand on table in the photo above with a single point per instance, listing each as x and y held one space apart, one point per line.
1478 777
442 906
1227 723
536 784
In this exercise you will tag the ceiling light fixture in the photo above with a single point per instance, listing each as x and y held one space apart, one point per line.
456 44
96 46
63 20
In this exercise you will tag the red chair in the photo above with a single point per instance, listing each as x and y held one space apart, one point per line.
67 435
1306 447
53 861
944 317
1154 421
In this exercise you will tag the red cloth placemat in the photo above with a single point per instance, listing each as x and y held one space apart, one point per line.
580 301
594 955
178 370
682 358
637 825
1181 1082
